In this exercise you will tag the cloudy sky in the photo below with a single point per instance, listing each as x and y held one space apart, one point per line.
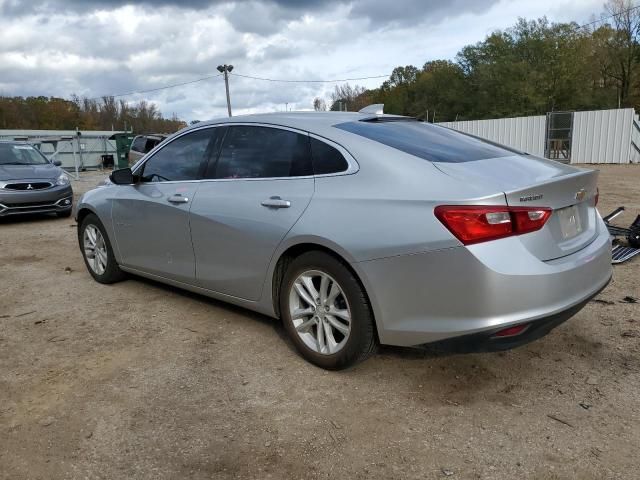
97 47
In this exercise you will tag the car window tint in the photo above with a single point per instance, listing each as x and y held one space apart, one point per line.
261 152
149 144
426 141
326 159
138 144
180 160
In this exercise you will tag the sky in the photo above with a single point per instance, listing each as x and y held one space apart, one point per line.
109 47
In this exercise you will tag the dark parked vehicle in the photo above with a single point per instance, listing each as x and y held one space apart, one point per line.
142 145
30 183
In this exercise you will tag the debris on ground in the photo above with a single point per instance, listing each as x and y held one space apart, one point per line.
604 302
564 422
626 241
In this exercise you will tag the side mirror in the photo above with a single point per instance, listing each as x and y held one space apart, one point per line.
123 176
57 163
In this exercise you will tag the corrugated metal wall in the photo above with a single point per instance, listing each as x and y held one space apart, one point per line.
602 136
93 144
599 136
523 133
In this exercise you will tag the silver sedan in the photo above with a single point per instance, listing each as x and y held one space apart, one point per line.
356 229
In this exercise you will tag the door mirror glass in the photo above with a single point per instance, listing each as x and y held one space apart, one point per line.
57 163
124 176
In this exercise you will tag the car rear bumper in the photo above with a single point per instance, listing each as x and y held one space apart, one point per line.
50 200
491 341
463 291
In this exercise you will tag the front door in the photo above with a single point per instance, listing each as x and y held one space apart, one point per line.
151 217
251 197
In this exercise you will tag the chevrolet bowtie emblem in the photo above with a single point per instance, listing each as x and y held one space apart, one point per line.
580 195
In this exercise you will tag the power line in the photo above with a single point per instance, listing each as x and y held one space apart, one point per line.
159 88
607 18
307 81
136 92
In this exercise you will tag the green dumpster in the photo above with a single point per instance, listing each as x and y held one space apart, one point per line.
123 143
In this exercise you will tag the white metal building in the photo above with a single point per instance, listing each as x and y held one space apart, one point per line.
84 150
599 136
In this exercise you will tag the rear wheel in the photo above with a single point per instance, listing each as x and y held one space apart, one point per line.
97 251
326 312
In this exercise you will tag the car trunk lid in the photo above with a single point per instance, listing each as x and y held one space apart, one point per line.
529 181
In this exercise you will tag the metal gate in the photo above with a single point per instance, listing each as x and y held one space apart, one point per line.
557 145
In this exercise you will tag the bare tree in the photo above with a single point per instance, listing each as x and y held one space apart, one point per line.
349 98
319 105
623 44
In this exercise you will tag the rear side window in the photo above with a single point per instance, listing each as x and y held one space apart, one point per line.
138 144
150 144
427 141
262 152
326 159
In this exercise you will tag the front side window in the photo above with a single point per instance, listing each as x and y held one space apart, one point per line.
262 152
180 160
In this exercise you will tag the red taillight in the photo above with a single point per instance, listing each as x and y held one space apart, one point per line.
476 223
596 198
511 331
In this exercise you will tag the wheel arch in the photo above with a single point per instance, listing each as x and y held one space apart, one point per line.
82 213
294 250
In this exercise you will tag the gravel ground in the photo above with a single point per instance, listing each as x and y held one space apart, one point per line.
139 380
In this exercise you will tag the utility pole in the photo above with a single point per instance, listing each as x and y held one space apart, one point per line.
226 69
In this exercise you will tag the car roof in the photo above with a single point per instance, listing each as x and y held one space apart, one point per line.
16 142
321 123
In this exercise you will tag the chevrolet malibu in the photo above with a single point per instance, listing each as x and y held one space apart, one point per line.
30 183
356 229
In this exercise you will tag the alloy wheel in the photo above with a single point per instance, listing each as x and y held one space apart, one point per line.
95 249
320 312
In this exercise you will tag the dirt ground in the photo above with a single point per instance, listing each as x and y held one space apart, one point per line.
139 380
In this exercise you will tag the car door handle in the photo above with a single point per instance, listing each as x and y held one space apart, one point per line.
178 198
276 202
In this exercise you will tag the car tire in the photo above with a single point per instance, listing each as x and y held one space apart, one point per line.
64 214
349 347
102 265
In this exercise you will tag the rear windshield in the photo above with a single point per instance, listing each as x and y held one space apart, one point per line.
427 141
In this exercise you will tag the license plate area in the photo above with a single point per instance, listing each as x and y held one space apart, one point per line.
570 222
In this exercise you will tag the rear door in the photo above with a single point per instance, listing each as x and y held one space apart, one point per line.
151 217
253 194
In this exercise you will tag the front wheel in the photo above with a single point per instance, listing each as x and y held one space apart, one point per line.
97 252
326 311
